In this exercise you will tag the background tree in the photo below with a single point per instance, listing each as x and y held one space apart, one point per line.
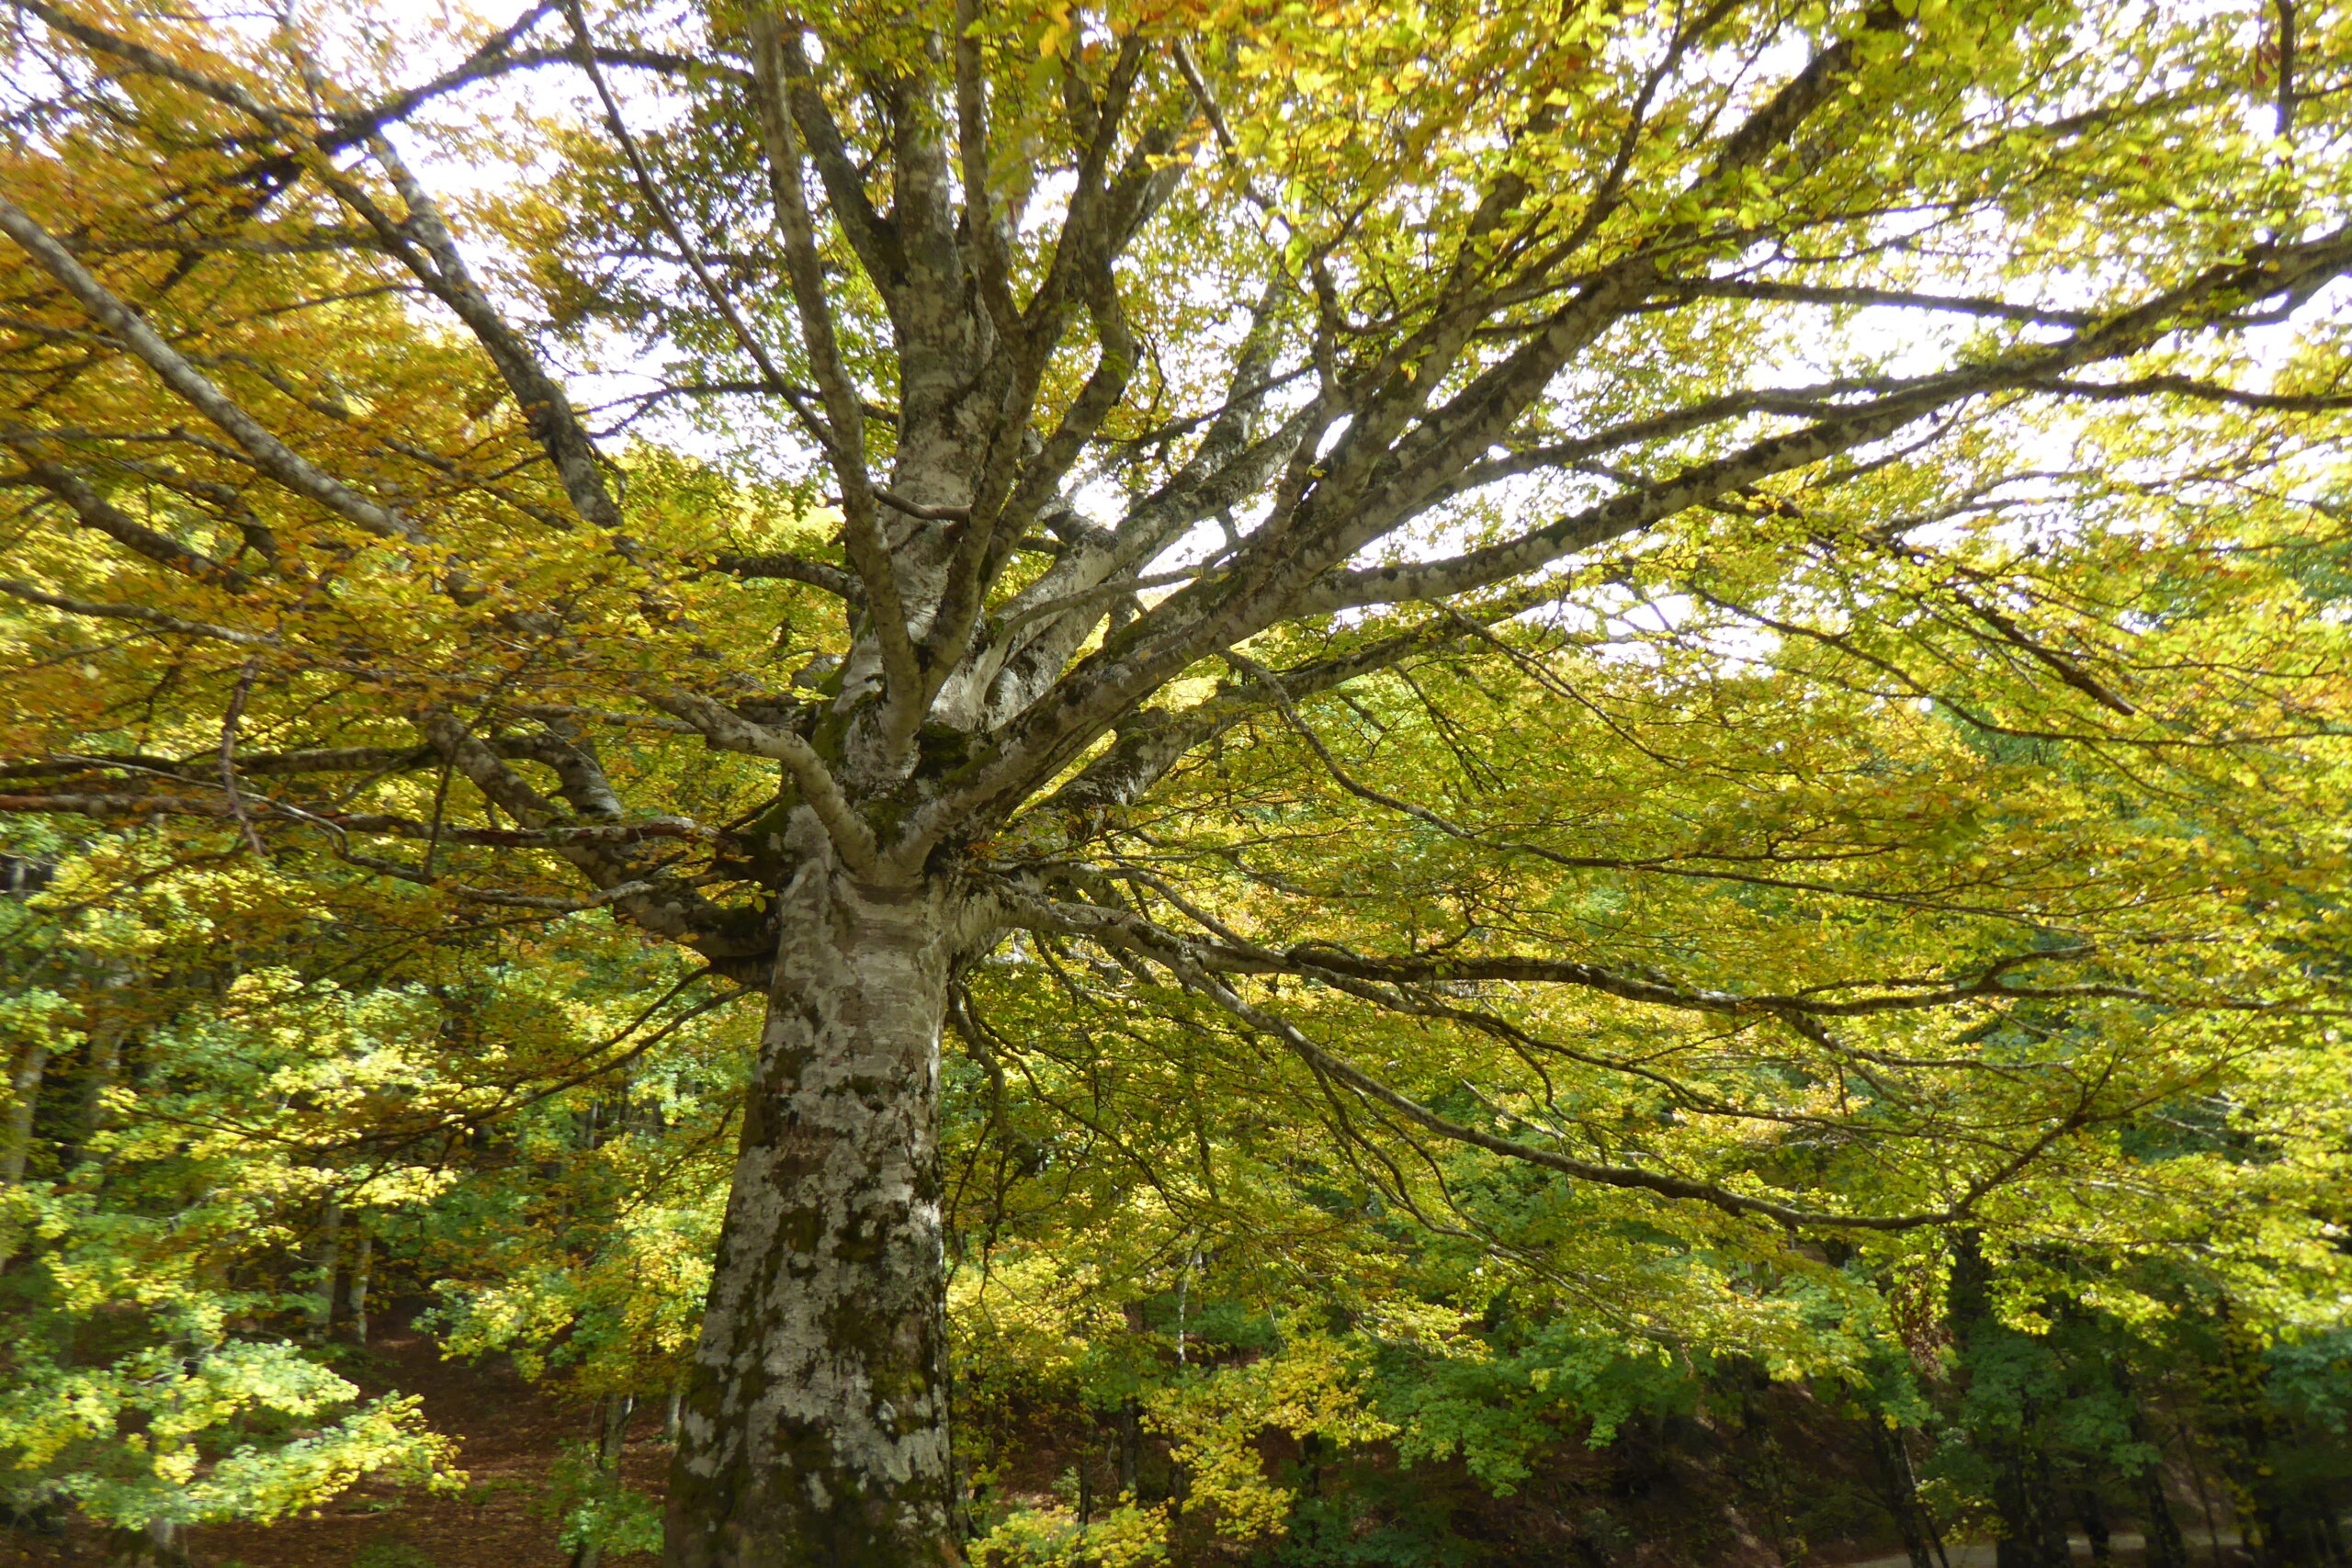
1184 384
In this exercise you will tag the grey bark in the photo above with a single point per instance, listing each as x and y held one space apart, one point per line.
347 1311
815 1429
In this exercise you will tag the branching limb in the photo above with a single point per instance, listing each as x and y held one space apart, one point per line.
425 245
143 615
1117 928
843 430
269 454
724 729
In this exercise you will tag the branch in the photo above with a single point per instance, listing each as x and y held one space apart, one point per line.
2204 391
585 48
793 568
97 513
442 270
1315 958
264 764
725 730
2288 270
842 431
1182 960
270 455
1808 294
134 803
139 613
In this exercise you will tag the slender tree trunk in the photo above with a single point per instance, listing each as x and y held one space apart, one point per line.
330 1265
2033 1519
815 1430
1900 1488
24 1094
17 1131
2158 1530
1130 1449
347 1314
2091 1512
157 1545
613 1412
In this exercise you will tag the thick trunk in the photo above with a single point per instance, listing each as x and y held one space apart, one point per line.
815 1429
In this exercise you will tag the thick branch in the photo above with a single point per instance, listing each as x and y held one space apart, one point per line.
97 513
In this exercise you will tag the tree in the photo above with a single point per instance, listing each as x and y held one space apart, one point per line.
140 1249
1108 395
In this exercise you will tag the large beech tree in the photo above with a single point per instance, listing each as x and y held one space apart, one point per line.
1120 420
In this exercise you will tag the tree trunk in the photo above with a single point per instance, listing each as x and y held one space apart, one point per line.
613 1412
2158 1530
157 1545
24 1095
2090 1511
2033 1521
330 1265
347 1309
1900 1489
102 1062
815 1430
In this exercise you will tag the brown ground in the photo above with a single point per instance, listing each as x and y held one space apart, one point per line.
509 1432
